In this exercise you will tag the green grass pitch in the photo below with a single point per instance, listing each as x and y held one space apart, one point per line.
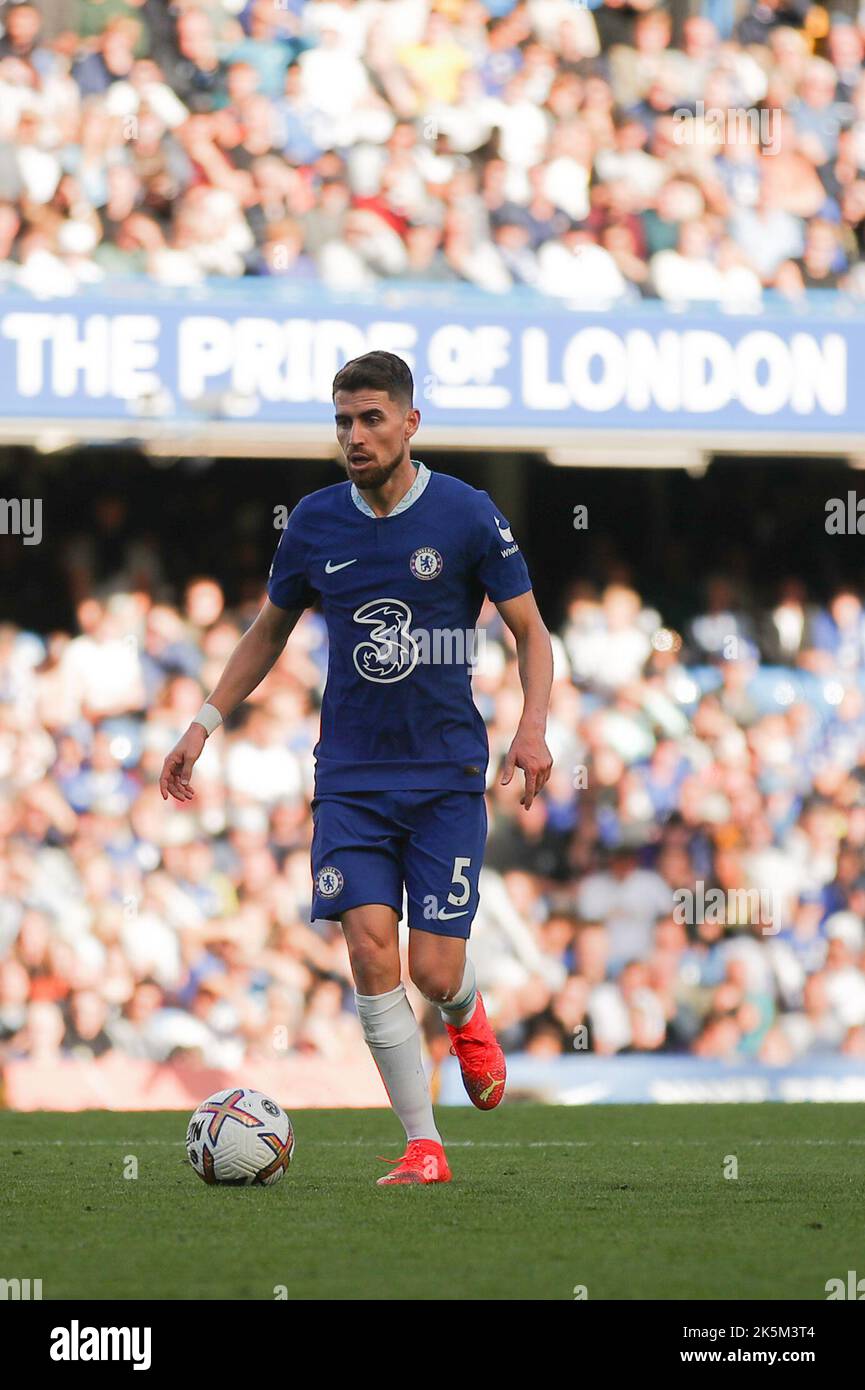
629 1201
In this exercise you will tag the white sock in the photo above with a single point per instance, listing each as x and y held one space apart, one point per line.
459 1010
391 1030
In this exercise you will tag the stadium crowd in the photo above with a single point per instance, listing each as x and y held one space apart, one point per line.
730 757
595 152
543 144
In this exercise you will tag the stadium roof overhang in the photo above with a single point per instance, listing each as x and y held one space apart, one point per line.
691 450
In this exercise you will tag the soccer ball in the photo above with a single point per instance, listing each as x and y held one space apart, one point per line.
240 1137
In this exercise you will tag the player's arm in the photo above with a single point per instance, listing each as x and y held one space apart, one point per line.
529 750
245 669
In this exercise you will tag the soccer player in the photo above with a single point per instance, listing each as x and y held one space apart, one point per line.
401 558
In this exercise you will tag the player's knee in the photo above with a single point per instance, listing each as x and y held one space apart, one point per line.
436 983
372 964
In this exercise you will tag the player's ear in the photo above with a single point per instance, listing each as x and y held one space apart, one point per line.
412 422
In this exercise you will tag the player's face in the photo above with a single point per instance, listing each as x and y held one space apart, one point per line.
373 433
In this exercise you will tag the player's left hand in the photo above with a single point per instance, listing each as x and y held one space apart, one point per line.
530 753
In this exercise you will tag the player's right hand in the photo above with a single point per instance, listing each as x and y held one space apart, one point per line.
177 768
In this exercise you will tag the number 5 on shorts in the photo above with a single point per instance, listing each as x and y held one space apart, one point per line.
460 899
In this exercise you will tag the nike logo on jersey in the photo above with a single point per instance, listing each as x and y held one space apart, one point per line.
444 916
331 568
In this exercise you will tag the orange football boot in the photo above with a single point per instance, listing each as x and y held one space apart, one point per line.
423 1161
481 1060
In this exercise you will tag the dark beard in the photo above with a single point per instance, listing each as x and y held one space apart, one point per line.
377 477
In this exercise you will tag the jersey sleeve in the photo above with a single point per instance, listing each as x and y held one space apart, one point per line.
287 584
499 563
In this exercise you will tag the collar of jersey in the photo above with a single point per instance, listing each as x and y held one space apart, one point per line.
414 492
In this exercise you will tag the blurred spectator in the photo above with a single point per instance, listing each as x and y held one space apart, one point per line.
542 146
134 926
580 126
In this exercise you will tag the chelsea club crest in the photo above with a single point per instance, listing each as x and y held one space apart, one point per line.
329 881
426 563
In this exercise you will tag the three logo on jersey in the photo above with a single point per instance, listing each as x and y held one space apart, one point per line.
391 652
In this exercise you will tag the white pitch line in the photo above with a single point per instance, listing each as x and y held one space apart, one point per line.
452 1143
311 1144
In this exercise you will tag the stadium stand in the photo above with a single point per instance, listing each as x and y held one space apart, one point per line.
680 760
470 143
542 144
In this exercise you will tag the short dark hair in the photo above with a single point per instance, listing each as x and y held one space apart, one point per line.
377 371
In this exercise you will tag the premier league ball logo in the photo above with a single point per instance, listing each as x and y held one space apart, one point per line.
329 881
426 563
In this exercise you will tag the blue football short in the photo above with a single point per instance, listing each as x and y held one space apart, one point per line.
369 846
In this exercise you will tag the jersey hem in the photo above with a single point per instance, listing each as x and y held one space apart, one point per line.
503 598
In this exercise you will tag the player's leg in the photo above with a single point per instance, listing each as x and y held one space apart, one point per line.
442 865
441 969
357 879
388 1022
445 976
393 1037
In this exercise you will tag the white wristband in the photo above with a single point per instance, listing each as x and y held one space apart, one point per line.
209 718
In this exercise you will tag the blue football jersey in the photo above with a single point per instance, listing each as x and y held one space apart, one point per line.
401 596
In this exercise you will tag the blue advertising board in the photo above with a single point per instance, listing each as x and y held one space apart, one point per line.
668 1079
255 351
